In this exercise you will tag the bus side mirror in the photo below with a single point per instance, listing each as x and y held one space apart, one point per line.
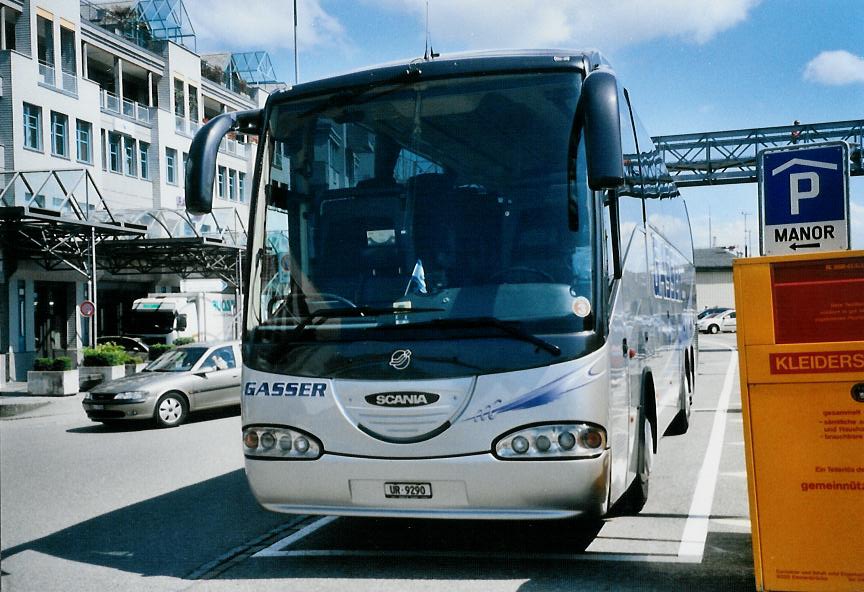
201 164
602 129
181 323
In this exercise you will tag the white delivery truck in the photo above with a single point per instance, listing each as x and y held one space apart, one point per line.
164 318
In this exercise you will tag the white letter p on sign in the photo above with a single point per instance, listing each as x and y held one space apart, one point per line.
795 193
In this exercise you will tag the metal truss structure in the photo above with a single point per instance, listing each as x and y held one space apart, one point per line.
715 158
60 220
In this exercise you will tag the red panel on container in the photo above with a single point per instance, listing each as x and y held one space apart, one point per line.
818 301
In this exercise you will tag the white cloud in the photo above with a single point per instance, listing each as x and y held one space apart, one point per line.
835 68
458 24
263 24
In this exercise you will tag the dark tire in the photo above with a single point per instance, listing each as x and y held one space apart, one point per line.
636 496
713 329
171 410
681 423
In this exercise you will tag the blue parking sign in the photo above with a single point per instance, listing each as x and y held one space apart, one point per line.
804 198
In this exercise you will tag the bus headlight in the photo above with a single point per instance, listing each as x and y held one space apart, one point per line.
280 443
554 441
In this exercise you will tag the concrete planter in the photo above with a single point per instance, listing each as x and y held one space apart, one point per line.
105 373
134 368
52 383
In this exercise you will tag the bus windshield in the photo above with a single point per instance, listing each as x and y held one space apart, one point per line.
455 205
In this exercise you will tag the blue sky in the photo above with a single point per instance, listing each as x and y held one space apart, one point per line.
690 65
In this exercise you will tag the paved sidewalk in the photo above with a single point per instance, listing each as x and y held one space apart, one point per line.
15 403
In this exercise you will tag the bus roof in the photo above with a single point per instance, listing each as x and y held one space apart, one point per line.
455 64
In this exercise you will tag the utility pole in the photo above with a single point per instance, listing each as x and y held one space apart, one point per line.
296 53
746 238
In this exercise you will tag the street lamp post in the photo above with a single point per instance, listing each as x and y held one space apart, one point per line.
746 237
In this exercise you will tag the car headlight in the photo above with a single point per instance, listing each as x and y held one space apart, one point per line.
280 442
131 396
554 441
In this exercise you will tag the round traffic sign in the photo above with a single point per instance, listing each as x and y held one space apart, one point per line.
88 309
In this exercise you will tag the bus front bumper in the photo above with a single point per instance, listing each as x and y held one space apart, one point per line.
469 487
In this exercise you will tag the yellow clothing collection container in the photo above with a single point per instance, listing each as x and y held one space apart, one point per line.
801 348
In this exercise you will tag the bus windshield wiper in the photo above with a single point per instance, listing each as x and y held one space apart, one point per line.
510 328
319 316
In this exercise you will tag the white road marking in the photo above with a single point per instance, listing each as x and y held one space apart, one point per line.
272 551
502 555
696 528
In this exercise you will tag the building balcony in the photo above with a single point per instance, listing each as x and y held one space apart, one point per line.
233 147
48 77
46 73
111 103
186 127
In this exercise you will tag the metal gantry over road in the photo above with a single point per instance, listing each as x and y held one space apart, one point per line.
724 157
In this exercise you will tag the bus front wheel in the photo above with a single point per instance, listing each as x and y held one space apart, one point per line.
637 494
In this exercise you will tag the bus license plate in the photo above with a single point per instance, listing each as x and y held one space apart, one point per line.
408 490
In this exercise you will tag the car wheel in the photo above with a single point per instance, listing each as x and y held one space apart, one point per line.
171 410
713 329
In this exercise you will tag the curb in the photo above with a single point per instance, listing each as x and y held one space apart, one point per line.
13 409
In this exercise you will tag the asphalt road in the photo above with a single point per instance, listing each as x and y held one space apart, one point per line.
83 507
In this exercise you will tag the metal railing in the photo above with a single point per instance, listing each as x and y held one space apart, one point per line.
186 127
69 81
111 103
233 147
46 73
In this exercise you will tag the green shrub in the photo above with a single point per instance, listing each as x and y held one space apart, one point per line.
107 354
62 363
157 349
42 364
183 341
47 364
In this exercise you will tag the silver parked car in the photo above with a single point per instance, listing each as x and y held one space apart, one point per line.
189 378
722 321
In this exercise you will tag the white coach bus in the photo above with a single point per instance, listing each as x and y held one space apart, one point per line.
469 287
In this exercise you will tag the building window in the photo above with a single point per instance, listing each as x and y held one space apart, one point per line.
179 99
59 134
45 49
103 147
221 182
115 165
193 104
83 133
129 156
241 185
143 159
32 127
232 184
171 165
68 65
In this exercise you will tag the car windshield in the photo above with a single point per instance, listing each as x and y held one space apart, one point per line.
154 322
177 360
414 203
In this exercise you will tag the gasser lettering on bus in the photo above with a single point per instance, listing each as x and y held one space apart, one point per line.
285 389
668 278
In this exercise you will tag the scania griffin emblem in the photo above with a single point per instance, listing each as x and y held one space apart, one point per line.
400 359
